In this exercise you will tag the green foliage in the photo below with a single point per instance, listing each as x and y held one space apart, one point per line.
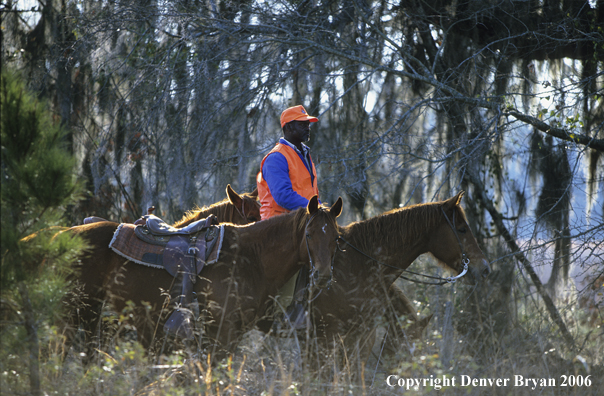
38 183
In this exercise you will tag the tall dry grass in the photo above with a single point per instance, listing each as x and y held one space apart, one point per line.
476 333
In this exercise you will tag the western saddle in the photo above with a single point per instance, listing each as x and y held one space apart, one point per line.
183 252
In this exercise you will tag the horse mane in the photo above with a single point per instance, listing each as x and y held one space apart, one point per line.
223 209
299 219
397 225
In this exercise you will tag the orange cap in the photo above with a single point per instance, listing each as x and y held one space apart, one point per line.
296 113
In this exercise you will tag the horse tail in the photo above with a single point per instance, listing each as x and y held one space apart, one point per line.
32 236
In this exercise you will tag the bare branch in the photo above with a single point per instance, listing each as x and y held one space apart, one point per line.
560 133
487 203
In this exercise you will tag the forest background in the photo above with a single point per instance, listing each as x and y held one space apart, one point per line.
167 102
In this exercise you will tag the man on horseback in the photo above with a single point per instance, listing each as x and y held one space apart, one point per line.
286 181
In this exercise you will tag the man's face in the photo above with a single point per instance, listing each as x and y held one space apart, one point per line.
300 130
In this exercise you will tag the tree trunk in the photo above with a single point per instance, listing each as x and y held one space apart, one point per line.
31 341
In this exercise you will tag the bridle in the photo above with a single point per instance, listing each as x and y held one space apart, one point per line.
242 210
464 258
451 279
312 264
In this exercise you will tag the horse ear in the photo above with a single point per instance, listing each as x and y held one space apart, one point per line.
254 193
454 201
336 208
234 198
458 197
313 205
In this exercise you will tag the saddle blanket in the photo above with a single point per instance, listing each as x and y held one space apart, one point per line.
127 244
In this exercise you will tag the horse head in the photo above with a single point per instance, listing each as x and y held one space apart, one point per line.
321 233
246 205
453 243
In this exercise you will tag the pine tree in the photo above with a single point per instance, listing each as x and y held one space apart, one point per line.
38 184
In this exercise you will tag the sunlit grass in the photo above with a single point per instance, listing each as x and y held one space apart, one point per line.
266 365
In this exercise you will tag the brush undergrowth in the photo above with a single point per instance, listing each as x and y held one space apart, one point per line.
266 365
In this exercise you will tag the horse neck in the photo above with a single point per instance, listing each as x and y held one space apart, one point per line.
276 243
224 212
395 238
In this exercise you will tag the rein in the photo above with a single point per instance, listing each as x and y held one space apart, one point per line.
444 281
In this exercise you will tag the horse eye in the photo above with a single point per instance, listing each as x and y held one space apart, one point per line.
462 230
307 236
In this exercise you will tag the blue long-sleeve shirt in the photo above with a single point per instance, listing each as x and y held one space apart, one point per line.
276 173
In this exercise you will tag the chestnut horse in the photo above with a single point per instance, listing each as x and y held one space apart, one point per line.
236 209
255 261
95 268
374 253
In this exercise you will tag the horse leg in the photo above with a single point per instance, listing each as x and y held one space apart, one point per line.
399 334
149 323
85 302
365 349
358 351
398 306
82 321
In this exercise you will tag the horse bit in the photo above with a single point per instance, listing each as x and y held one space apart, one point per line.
451 279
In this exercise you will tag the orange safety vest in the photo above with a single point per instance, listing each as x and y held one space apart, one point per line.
298 175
